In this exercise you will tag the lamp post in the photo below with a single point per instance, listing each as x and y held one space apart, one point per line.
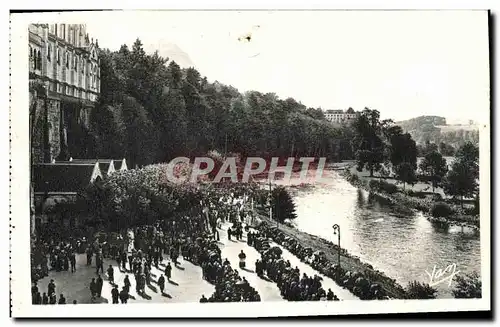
336 231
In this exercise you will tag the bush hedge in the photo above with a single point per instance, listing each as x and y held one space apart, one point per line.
441 209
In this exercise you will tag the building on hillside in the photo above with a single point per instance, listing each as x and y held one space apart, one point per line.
341 116
60 183
65 83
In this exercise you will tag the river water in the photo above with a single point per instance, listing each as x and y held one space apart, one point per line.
402 246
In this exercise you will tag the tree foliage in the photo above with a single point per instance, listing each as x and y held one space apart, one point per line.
434 166
405 173
420 291
468 286
151 110
282 204
462 179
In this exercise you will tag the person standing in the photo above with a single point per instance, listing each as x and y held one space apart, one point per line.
45 298
51 288
168 271
115 294
89 255
123 255
161 283
53 299
124 296
72 260
93 288
99 283
111 274
99 263
126 281
119 259
62 299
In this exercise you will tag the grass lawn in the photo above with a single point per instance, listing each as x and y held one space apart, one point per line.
418 187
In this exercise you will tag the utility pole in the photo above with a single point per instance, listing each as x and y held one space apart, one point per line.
336 230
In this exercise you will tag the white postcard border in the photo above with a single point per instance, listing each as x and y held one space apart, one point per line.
20 241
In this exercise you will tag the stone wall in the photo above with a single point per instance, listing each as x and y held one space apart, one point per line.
41 130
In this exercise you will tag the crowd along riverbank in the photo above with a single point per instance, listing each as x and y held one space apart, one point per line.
358 277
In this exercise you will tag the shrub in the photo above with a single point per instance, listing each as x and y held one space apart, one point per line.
441 209
416 290
388 187
374 185
468 286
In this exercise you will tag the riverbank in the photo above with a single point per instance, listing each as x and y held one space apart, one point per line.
352 268
405 202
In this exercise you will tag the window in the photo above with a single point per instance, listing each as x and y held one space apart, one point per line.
56 29
49 50
38 63
64 31
58 56
67 60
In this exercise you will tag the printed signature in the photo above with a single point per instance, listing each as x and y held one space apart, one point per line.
439 276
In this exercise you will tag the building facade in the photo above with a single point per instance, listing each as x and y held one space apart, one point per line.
341 116
64 86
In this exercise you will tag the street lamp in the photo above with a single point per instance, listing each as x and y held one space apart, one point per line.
336 231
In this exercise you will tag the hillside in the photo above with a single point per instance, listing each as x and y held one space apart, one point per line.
435 130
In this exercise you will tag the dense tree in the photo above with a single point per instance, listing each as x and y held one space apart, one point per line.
462 179
405 173
367 142
154 111
402 147
446 150
434 166
282 204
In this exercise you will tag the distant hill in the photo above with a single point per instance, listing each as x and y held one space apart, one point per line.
173 52
434 129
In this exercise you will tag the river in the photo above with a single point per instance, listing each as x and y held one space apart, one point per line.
402 246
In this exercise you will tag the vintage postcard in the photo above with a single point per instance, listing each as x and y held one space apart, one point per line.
249 163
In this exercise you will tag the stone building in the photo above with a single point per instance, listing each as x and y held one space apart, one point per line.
341 116
64 86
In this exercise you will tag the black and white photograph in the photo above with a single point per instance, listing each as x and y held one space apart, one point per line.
169 163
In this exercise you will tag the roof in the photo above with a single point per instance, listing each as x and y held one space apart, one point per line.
103 163
63 177
334 111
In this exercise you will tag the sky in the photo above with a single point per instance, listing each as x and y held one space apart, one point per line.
402 63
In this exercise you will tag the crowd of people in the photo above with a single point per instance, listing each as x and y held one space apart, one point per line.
292 285
357 282
140 248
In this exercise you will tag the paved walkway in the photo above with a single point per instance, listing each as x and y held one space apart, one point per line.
342 293
187 284
268 290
